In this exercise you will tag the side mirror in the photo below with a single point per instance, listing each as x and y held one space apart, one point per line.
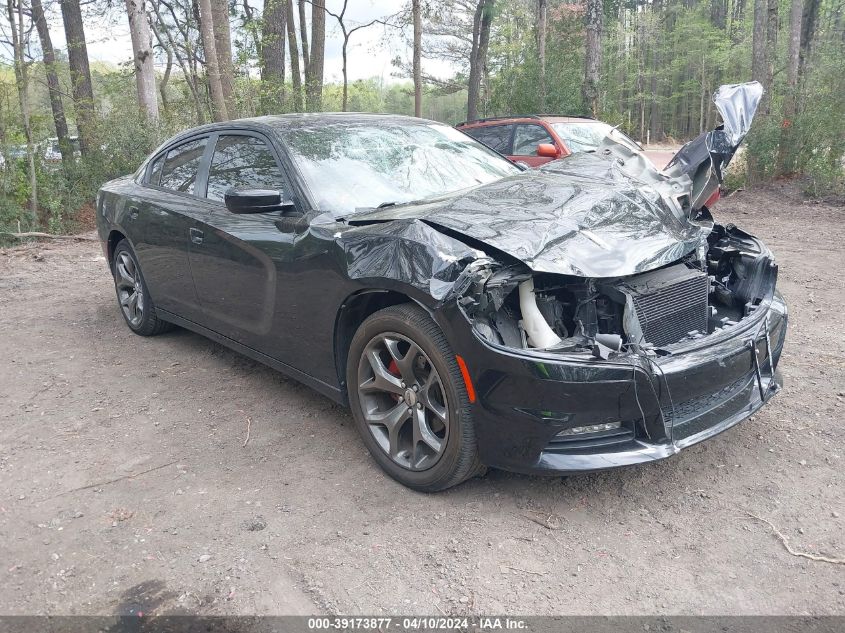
243 201
547 150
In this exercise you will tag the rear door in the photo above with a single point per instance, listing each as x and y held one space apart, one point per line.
234 258
526 138
158 221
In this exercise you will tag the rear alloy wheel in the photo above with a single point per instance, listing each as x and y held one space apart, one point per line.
409 400
132 294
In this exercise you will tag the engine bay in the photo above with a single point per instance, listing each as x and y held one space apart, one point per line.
709 290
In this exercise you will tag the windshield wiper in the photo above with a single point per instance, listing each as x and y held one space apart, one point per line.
384 205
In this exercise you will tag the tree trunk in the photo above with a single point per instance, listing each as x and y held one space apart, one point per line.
478 54
787 138
53 86
22 81
654 104
303 35
185 67
218 99
542 11
758 49
809 18
594 18
344 72
294 60
306 52
223 46
80 74
168 68
273 55
771 51
316 57
737 16
142 52
415 7
794 55
719 13
759 69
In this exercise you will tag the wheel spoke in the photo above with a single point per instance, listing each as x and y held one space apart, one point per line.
133 305
392 420
425 396
382 379
406 364
423 432
389 419
126 280
129 263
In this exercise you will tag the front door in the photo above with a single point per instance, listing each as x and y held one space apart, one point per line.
526 138
235 258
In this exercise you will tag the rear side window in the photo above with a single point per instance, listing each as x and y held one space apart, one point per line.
496 137
528 137
243 161
155 170
181 166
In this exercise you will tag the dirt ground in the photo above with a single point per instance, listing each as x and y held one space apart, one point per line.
127 482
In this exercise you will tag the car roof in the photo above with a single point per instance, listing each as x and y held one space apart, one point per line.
297 117
281 122
311 118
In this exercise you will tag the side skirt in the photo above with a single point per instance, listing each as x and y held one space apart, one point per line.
334 393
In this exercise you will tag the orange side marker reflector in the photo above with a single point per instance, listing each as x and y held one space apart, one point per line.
467 380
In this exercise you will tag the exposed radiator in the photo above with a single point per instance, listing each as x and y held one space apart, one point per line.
668 304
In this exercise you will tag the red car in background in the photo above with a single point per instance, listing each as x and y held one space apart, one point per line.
537 139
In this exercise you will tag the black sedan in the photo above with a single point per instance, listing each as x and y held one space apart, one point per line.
586 315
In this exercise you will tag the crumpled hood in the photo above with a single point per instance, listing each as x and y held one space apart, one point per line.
609 213
579 216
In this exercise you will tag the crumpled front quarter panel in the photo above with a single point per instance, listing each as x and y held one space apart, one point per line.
407 251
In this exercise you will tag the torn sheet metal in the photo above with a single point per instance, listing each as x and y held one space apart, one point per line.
737 104
602 214
705 158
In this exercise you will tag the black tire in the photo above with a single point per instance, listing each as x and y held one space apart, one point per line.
455 462
141 320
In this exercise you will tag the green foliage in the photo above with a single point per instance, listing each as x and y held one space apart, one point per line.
123 139
514 86
661 63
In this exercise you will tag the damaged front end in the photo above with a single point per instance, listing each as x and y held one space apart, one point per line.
710 279
682 342
595 373
706 294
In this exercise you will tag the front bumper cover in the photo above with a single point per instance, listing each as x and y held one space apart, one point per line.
524 400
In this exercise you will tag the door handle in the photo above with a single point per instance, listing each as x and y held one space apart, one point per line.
196 236
133 212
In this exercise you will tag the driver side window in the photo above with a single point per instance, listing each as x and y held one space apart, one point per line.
243 161
527 137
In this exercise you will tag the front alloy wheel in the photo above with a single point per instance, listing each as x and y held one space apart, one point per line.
409 400
403 401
